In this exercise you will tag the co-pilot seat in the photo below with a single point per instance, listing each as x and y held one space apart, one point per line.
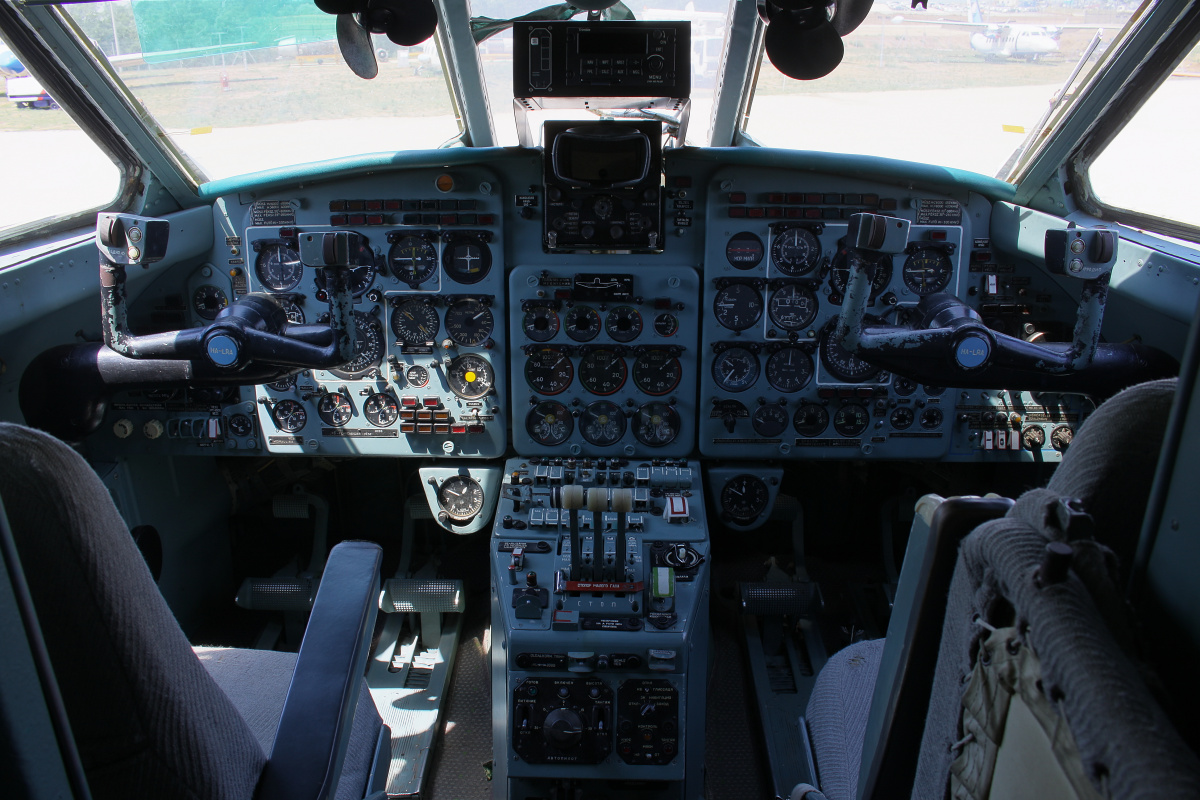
1006 669
150 716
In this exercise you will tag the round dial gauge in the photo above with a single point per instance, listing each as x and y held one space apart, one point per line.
289 416
362 273
461 497
381 409
851 420
368 347
769 420
467 260
415 321
792 307
735 369
790 369
656 424
334 409
469 322
810 419
902 418
549 423
927 270
278 267
842 364
744 498
602 423
283 384
795 251
294 312
241 425
904 386
666 324
602 371
417 376
540 324
840 272
208 301
657 372
1033 437
932 418
549 371
744 250
738 306
623 324
470 377
413 259
582 323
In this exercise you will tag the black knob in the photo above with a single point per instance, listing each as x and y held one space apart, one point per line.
563 728
531 579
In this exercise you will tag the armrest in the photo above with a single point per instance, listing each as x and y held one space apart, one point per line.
314 729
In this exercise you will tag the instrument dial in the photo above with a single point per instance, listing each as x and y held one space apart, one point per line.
744 250
461 497
738 306
415 321
413 259
467 259
851 420
927 270
1033 437
416 376
381 410
368 347
289 416
540 324
623 324
283 384
932 418
241 425
844 365
549 371
469 322
549 423
735 369
602 423
666 325
602 371
769 420
657 372
656 424
278 267
792 307
903 417
810 419
295 313
334 409
789 370
582 323
470 377
744 498
362 272
795 251
904 386
208 301
880 263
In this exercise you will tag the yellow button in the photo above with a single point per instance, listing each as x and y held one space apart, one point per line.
470 376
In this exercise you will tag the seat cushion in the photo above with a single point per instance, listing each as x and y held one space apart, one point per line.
837 716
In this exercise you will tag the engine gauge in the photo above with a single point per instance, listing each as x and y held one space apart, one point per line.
902 418
461 497
241 425
927 270
932 418
666 325
623 324
810 419
208 301
582 323
469 322
295 313
381 410
549 371
413 259
769 420
904 386
744 498
549 423
735 369
744 250
467 259
1033 437
540 324
470 377
881 276
416 376
789 369
415 322
368 347
792 307
844 365
602 423
795 251
851 420
278 267
289 416
362 271
656 424
602 371
283 384
738 306
657 372
334 409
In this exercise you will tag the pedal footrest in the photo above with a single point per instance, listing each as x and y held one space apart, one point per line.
277 594
410 595
771 598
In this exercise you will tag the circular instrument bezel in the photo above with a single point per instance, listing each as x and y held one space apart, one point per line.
466 274
368 347
790 369
550 378
851 420
540 414
744 250
744 357
795 251
652 416
410 316
844 365
612 322
751 500
381 410
457 371
599 383
457 315
362 273
811 429
335 409
289 416
917 267
657 372
601 412
771 414
787 320
570 323
422 263
201 294
471 490
839 272
738 306
540 324
289 258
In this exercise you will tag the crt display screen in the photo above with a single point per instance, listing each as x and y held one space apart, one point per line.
591 160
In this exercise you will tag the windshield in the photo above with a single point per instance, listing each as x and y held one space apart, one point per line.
246 86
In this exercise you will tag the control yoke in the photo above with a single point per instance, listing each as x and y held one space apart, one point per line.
951 346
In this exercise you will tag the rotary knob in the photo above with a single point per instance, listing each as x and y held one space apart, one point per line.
563 728
655 63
